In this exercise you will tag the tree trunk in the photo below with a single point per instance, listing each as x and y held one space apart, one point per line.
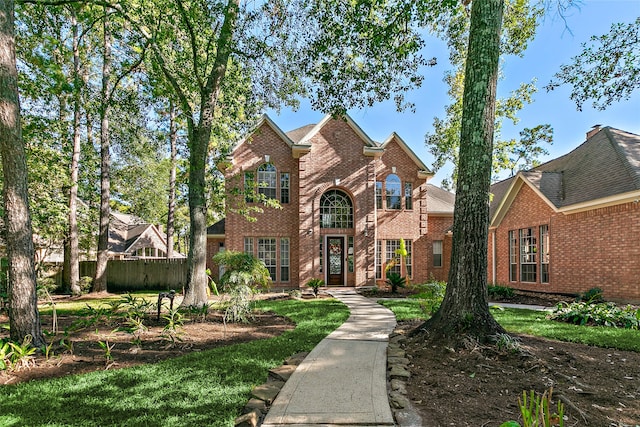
173 138
199 136
100 282
24 319
465 310
74 259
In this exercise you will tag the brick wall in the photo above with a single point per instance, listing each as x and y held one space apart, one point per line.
595 248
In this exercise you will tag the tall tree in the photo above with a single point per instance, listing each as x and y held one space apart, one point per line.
521 19
24 319
465 310
607 70
171 208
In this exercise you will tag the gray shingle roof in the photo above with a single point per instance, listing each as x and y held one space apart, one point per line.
605 165
439 200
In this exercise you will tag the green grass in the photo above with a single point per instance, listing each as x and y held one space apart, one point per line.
200 388
531 322
74 307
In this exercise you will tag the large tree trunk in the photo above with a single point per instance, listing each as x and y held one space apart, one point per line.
74 259
100 281
465 310
24 319
196 290
173 139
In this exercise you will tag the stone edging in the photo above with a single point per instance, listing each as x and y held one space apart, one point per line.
397 376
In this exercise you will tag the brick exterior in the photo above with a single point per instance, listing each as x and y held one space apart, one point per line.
337 161
593 248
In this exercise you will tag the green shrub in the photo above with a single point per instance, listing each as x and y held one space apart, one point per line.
500 292
592 296
395 281
46 286
85 284
315 284
602 314
430 295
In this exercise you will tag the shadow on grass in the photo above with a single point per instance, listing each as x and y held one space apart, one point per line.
201 388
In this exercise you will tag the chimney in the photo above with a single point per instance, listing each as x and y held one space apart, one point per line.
595 129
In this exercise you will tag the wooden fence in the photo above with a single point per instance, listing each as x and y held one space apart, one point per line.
141 274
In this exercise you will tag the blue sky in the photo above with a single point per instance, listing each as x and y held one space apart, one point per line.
556 42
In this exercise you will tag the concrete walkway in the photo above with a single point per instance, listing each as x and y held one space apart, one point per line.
343 380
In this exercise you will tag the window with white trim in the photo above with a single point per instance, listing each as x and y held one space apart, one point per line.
437 253
544 253
378 259
284 259
378 195
248 245
393 191
391 257
267 253
284 187
528 255
408 259
267 180
336 210
408 196
513 256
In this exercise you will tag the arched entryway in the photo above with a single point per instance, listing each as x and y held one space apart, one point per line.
336 223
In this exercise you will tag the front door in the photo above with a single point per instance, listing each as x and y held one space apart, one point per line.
335 257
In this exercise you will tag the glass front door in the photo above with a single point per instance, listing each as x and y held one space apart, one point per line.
335 261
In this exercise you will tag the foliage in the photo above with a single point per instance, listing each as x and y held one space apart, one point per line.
242 269
395 280
85 284
46 286
593 295
536 412
240 304
599 314
22 354
430 295
508 343
210 389
315 284
500 292
520 21
173 329
607 69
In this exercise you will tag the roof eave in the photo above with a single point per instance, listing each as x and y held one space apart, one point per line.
616 199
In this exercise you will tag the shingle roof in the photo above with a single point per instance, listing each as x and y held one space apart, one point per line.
606 164
297 134
217 228
439 200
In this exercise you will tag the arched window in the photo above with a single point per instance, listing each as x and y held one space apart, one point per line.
394 196
336 210
267 180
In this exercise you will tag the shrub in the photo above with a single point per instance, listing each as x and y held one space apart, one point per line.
602 314
592 296
430 295
315 284
395 281
85 284
46 286
500 292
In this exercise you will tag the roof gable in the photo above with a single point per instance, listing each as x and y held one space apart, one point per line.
348 120
394 137
265 120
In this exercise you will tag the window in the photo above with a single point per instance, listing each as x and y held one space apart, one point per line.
408 264
392 246
284 187
267 180
321 254
378 195
528 250
284 260
513 256
378 259
336 210
249 185
248 245
408 195
437 253
394 198
350 258
544 253
267 254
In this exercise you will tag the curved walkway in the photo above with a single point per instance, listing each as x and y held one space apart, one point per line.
343 380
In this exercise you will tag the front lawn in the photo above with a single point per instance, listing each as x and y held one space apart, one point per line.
532 322
201 388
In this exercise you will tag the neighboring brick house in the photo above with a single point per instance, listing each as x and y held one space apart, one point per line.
573 223
346 201
132 238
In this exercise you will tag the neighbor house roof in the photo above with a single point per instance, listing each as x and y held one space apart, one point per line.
439 201
216 229
605 169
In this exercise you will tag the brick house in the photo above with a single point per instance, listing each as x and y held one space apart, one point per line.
346 201
573 223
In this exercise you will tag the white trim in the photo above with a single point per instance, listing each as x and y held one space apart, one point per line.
617 199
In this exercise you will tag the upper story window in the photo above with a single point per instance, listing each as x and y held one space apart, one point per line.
408 195
378 195
336 210
393 191
284 187
267 180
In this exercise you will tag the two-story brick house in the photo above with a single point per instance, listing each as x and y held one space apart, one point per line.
346 201
573 223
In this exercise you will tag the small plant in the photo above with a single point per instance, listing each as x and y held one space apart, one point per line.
315 284
592 296
395 281
295 293
507 343
22 354
603 314
536 411
500 292
172 330
200 313
5 355
67 345
45 286
47 350
106 347
86 282
240 304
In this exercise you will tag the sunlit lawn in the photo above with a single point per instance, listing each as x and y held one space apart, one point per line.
201 388
532 322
